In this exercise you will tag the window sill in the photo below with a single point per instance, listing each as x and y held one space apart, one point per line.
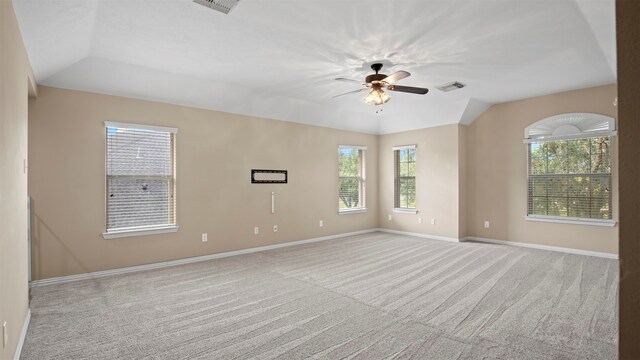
406 211
140 231
352 211
573 221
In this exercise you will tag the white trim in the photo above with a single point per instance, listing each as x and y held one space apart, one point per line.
571 137
352 211
357 147
405 147
113 124
424 236
273 202
114 234
164 264
405 210
574 221
23 335
542 247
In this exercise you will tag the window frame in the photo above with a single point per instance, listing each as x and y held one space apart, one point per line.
362 180
147 229
569 219
397 178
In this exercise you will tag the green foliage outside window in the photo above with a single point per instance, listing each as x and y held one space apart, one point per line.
570 178
351 181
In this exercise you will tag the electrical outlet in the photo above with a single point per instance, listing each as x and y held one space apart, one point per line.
389 217
5 335
321 223
433 221
204 237
486 224
419 220
256 230
275 228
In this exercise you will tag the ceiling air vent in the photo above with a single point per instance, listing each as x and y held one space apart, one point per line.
450 86
224 6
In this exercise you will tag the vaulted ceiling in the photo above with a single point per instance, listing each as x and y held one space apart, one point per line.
278 58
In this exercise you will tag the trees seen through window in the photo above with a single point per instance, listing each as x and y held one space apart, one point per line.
351 191
570 178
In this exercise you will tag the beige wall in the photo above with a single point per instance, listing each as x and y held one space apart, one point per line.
14 78
497 177
485 162
437 179
469 174
215 153
628 34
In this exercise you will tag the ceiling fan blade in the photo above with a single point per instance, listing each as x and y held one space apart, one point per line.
349 80
398 75
408 89
350 92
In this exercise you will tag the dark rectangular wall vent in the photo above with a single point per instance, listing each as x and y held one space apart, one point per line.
450 86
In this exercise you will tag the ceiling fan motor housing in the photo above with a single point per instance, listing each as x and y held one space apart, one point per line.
375 77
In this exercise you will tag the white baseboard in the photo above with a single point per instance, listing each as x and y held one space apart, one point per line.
23 335
163 264
424 236
504 242
542 247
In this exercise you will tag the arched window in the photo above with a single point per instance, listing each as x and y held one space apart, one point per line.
569 169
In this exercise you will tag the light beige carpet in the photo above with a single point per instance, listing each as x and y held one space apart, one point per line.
371 296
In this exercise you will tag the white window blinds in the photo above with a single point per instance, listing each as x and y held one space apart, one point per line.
351 177
140 169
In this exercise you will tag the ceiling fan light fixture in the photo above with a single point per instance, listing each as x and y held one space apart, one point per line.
378 82
377 97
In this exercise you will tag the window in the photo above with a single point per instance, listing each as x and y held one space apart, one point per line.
570 178
569 169
405 177
140 179
351 178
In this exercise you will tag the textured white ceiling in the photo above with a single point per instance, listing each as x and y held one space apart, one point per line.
278 58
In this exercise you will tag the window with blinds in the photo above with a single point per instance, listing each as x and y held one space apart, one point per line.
405 177
351 178
570 179
140 177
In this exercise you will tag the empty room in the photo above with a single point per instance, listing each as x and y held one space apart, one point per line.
253 179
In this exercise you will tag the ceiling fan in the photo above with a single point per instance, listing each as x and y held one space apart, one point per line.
378 82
